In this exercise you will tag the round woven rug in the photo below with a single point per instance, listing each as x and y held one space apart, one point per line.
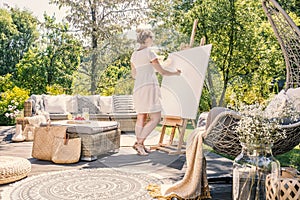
88 184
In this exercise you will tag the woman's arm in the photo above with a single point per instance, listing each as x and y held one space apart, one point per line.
162 71
166 63
133 70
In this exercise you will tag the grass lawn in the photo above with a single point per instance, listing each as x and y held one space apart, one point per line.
289 159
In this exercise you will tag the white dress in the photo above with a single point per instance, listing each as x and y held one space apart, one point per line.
146 92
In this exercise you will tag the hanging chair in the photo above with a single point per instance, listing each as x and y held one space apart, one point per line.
288 36
221 122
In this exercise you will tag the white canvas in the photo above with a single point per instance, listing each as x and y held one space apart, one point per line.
181 94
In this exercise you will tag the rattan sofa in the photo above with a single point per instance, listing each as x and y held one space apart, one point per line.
101 108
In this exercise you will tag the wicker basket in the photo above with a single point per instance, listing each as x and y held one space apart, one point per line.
43 140
289 184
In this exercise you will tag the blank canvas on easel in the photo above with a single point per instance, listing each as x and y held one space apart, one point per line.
181 94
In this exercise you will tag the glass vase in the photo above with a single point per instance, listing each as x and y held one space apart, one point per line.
250 169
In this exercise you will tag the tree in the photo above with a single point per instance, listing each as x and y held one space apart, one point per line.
116 78
18 32
291 6
99 20
245 51
31 72
113 65
53 62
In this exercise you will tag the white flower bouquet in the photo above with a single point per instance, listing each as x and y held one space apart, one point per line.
255 127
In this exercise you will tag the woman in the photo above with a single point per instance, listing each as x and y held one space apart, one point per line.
146 92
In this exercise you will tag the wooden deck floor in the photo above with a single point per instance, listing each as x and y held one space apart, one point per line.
158 163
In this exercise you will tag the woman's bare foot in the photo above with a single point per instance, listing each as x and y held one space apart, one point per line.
147 150
140 149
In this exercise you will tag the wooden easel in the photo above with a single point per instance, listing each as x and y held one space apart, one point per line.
176 122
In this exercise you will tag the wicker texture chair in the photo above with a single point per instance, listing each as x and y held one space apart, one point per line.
288 36
221 137
220 132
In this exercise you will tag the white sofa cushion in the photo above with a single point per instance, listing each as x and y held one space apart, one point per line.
285 106
294 96
106 104
55 104
71 104
277 104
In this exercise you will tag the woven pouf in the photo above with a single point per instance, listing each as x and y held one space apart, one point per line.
13 168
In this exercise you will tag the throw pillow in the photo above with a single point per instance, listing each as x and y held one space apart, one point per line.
88 102
276 106
37 103
285 106
106 104
71 104
55 104
123 104
95 99
294 95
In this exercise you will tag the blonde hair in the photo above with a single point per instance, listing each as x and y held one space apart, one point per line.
142 35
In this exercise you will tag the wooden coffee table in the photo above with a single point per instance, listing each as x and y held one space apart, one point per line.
97 137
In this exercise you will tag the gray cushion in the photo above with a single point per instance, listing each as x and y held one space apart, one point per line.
89 102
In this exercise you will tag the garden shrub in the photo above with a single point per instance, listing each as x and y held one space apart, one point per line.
55 89
5 82
11 104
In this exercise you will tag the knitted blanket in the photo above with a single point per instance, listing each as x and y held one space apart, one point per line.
194 184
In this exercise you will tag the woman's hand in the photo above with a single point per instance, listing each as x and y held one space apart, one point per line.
178 72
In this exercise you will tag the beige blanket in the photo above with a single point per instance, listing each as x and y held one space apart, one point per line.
194 183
